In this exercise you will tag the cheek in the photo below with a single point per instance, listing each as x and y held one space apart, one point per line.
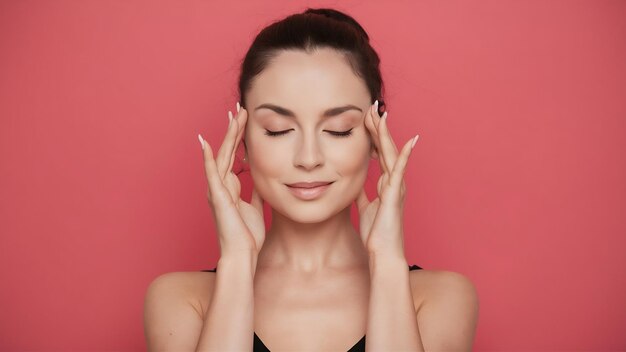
352 159
351 165
351 156
267 156
267 166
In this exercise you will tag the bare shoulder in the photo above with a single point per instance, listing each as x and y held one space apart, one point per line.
431 284
447 307
174 306
188 280
194 287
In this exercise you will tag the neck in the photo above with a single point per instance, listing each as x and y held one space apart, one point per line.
312 247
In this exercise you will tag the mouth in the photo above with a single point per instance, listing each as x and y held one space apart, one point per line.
308 190
312 184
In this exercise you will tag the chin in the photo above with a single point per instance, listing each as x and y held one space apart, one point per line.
308 214
313 212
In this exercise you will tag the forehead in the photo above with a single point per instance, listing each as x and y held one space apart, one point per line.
322 77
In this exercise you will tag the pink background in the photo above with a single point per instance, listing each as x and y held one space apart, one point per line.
517 180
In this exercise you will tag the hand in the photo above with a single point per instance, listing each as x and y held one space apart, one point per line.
240 225
381 221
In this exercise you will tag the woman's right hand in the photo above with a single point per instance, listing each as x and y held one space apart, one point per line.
240 225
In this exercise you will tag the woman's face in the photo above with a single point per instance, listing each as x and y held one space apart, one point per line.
293 94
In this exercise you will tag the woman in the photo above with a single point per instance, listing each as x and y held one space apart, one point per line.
311 118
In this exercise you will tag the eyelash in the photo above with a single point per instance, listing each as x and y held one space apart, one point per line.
337 134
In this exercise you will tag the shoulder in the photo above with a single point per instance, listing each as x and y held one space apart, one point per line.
447 306
174 308
439 283
181 282
193 287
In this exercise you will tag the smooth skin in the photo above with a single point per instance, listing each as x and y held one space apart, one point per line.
306 298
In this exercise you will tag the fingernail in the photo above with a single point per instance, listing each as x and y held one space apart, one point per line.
414 140
384 115
201 142
376 104
238 106
230 118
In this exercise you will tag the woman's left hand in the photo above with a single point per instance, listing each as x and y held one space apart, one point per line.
381 220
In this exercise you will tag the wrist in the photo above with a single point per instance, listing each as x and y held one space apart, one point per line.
388 249
387 261
241 260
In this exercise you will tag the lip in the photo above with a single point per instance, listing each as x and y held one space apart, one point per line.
310 191
309 184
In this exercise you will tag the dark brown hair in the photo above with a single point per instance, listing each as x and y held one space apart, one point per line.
311 29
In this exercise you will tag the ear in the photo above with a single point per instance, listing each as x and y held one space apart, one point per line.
373 152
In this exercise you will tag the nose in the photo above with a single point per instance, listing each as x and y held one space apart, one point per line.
308 155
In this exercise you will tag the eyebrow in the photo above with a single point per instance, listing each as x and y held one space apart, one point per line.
288 113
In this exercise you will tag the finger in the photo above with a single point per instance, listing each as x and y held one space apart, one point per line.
400 167
395 148
376 137
371 128
225 152
256 201
232 184
242 118
216 189
387 144
362 201
374 111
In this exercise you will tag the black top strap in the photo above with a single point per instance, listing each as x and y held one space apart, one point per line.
411 267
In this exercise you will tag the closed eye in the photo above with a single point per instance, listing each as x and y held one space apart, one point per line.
334 133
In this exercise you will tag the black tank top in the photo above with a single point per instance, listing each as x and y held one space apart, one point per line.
259 346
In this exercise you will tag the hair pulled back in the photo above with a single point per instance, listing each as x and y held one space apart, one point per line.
307 31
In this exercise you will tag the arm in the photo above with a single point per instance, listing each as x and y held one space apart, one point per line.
449 315
391 321
229 322
173 324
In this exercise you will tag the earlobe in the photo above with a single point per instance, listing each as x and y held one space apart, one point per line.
374 154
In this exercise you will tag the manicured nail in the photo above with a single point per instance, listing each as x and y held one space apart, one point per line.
238 106
384 115
376 104
230 118
201 141
414 140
